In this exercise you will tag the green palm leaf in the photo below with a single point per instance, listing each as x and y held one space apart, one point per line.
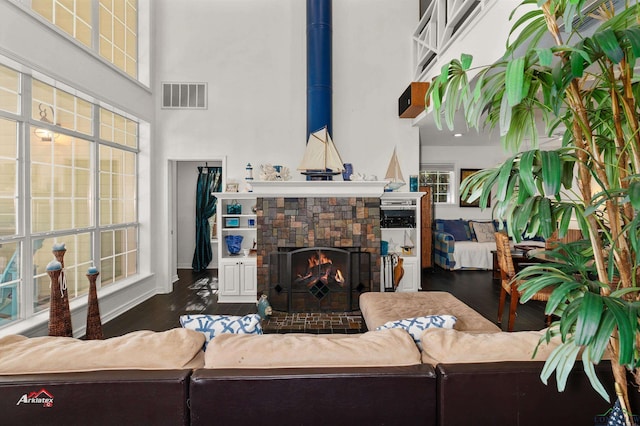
608 42
551 172
626 328
515 81
588 318
590 371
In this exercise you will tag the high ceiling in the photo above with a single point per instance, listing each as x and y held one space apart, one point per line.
461 135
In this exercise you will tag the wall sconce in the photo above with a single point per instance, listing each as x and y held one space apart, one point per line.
45 135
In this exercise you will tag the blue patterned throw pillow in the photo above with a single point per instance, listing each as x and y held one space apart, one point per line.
416 326
214 325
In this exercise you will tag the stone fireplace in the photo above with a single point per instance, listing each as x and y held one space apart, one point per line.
297 223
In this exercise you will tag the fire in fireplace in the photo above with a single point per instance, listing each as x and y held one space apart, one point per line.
318 278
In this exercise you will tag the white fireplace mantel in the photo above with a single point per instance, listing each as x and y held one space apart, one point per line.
318 188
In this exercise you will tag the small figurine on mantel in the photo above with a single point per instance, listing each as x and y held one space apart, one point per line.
264 308
249 178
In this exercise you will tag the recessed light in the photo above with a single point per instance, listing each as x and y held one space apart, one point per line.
457 135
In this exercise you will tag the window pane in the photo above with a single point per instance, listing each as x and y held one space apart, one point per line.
54 107
9 90
118 129
439 180
10 283
71 16
60 184
43 8
117 186
118 254
8 177
118 34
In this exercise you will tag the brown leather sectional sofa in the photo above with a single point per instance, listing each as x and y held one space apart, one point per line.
505 393
229 385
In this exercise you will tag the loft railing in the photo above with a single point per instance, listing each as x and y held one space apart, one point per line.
441 23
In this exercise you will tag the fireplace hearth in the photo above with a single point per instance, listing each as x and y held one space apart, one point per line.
317 279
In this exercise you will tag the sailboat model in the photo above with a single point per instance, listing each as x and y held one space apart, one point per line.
407 246
394 174
321 159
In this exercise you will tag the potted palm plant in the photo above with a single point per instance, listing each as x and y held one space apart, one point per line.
579 82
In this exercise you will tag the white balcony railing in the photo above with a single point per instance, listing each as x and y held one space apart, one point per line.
441 23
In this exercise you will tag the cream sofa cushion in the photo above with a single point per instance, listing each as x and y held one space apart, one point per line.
379 308
393 347
143 350
446 346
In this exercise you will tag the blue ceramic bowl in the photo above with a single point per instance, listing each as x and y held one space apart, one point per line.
234 243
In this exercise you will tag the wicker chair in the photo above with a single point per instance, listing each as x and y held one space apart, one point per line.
509 285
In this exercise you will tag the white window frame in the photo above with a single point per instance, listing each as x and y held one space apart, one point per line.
440 169
25 236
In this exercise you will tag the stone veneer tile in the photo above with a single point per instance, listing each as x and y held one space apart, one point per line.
313 222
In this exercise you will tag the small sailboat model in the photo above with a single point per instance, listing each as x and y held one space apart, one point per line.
394 174
321 160
407 246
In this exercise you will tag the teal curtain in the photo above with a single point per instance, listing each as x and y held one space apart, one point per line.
209 181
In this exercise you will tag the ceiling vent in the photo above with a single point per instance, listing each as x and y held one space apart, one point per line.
184 95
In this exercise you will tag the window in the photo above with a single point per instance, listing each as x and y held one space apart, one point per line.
118 254
11 281
61 189
71 145
118 34
8 177
71 16
441 178
117 27
118 197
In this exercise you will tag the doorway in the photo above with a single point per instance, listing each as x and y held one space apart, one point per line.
182 202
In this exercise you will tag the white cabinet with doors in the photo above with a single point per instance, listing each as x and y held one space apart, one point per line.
237 280
237 272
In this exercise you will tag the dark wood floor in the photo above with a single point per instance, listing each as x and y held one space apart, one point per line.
192 295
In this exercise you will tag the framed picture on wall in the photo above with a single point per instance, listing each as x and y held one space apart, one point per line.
464 173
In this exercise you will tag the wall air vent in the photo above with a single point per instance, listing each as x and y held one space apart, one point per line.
184 95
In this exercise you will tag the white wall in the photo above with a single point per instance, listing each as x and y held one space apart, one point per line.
252 54
371 68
